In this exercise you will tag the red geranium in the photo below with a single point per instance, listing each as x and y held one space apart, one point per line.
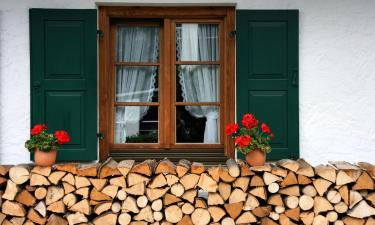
38 128
231 129
243 141
62 137
265 128
249 121
271 136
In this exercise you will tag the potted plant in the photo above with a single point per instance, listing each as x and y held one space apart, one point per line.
251 139
45 145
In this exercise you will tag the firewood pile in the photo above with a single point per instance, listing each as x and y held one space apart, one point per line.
287 192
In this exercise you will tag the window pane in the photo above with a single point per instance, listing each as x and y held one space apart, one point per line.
198 83
137 44
136 124
197 42
197 124
137 84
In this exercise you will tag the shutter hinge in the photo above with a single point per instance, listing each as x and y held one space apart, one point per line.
100 136
233 33
100 33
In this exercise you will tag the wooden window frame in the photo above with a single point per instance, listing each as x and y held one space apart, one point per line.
221 15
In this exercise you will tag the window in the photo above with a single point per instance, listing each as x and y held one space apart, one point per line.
166 79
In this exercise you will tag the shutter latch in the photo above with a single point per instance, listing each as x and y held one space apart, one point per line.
100 33
100 136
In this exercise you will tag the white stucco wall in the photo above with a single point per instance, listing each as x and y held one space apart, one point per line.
337 73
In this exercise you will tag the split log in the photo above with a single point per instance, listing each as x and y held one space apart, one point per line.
157 205
13 208
233 168
56 220
190 195
320 220
326 172
333 196
134 178
130 205
124 219
69 200
41 208
25 198
125 166
56 176
166 167
256 181
98 183
186 220
155 193
214 172
307 217
275 200
245 169
225 190
289 180
343 178
35 217
200 216
362 210
262 211
291 191
82 206
109 169
145 215
189 181
187 208
246 218
57 207
354 198
265 168
18 220
88 170
54 193
69 178
118 181
19 174
76 218
106 219
259 192
321 185
207 183
214 199
303 180
40 193
238 195
273 187
110 190
67 167
183 167
158 182
234 209
177 189
293 214
321 204
138 189
84 192
291 201
216 213
279 171
270 178
251 203
288 164
306 202
98 196
305 168
200 203
171 179
146 167
228 221
173 214
341 207
42 170
225 176
11 190
364 182
344 192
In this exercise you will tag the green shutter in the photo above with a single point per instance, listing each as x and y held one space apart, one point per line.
267 74
63 77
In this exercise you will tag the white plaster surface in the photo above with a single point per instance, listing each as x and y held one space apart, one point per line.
337 73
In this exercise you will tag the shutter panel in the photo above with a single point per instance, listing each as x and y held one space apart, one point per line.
267 74
63 77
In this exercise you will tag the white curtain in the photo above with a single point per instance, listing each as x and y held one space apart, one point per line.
134 84
199 42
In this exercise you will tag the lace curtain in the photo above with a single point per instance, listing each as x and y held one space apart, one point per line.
134 84
200 83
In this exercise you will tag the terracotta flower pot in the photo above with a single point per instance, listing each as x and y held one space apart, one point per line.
256 157
42 158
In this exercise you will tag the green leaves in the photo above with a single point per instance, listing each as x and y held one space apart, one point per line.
43 141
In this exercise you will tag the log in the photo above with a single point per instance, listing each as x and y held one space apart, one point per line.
145 215
41 208
56 220
343 178
118 181
245 169
190 195
216 213
57 207
125 166
76 218
273 188
171 179
124 219
106 219
99 184
109 169
146 167
361 210
262 211
67 167
183 167
353 221
270 178
275 200
289 180
333 196
306 202
197 168
233 168
225 190
111 190
69 200
321 204
11 190
189 181
238 195
35 217
364 182
98 196
291 201
84 192
13 208
56 176
228 221
341 207
288 164
305 168
200 216
259 192
274 216
267 221
68 188
234 209
332 216
54 193
214 199
166 167
138 189
134 178
130 205
344 192
200 203
42 170
158 182
251 203
246 218
40 193
214 172
142 201
279 171
309 190
69 178
116 207
279 209
82 206
88 170
158 216
354 197
177 189
187 208
121 194
157 205
186 220
256 181
19 174
320 220
321 185
291 191
25 198
307 217
293 214
207 183
303 180
155 193
173 214
371 198
265 168
225 176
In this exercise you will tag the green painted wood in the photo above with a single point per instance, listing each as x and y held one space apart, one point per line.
64 77
267 74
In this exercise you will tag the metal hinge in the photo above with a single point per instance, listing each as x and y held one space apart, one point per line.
233 33
100 136
100 33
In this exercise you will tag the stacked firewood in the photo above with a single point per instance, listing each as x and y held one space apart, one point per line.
287 192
